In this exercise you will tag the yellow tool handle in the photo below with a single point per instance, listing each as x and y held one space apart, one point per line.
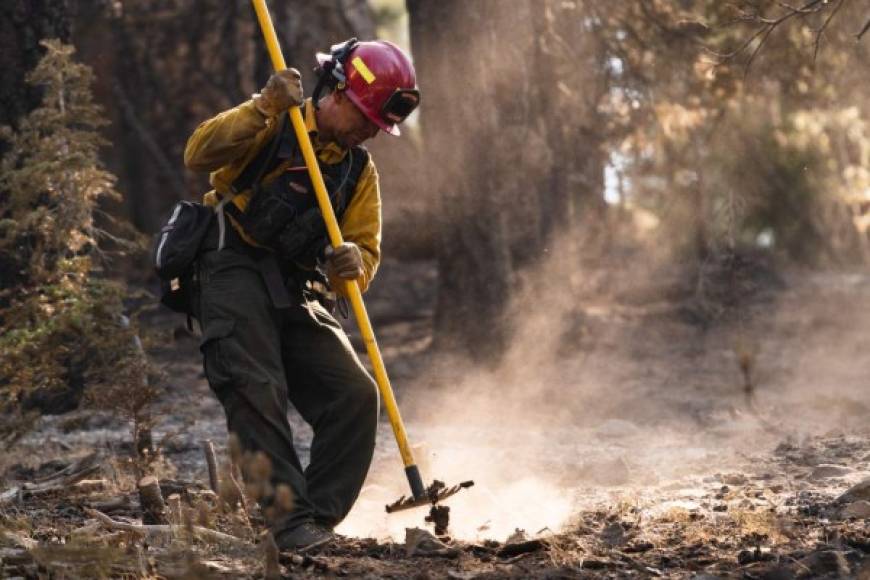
356 300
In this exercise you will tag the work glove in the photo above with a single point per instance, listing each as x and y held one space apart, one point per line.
345 261
282 91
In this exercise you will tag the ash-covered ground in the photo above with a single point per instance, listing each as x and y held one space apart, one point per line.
624 434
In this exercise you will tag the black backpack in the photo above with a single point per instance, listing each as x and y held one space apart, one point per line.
175 251
179 241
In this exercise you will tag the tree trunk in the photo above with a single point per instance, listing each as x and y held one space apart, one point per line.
151 500
24 24
472 64
571 80
513 142
305 28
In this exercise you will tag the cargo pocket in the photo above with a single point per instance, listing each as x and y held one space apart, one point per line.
217 367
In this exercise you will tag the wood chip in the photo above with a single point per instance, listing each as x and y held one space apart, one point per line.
166 531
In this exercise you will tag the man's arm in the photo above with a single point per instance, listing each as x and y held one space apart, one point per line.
361 225
224 138
232 134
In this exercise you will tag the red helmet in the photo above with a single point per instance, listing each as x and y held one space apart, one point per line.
376 76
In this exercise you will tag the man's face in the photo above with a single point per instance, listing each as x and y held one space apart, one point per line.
349 126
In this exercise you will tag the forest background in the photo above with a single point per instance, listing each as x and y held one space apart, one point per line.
679 158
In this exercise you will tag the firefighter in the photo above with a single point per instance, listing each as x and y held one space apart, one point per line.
268 279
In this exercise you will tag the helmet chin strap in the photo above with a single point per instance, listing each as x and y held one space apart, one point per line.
331 73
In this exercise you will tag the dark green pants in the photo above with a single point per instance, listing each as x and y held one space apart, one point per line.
258 358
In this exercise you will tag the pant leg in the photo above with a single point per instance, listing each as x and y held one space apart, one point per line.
241 349
333 392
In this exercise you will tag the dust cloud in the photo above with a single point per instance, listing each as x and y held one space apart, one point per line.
627 373
605 398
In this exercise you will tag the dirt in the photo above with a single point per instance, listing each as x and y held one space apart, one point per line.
681 472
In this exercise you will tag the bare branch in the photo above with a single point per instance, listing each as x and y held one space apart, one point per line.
167 531
755 52
821 30
729 55
863 30
768 25
800 10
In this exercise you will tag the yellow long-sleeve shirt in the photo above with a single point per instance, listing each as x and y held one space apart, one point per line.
226 143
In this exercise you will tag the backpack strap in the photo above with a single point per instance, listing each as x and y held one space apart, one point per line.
359 161
259 165
341 198
250 177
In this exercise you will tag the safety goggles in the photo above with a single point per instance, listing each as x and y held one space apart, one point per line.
400 104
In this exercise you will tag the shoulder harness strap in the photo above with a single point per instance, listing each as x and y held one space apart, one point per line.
250 177
359 161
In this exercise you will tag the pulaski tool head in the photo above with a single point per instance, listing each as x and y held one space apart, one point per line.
431 496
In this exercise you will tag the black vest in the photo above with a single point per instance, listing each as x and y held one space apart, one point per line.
283 213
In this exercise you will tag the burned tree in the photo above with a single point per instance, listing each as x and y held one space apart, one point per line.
513 148
461 124
24 24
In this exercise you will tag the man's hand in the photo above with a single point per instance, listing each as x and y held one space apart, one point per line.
345 261
282 91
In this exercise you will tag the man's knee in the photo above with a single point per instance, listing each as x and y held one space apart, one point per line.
363 398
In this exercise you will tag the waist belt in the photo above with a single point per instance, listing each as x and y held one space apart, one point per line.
220 236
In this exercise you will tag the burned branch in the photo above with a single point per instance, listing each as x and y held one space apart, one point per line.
151 500
211 462
167 531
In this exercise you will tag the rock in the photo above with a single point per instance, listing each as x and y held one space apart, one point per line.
734 479
831 563
422 543
517 537
827 470
857 509
639 547
613 535
857 492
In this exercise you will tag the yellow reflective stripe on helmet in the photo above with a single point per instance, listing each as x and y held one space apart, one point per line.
361 67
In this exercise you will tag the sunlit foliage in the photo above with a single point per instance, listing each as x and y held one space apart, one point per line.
61 325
